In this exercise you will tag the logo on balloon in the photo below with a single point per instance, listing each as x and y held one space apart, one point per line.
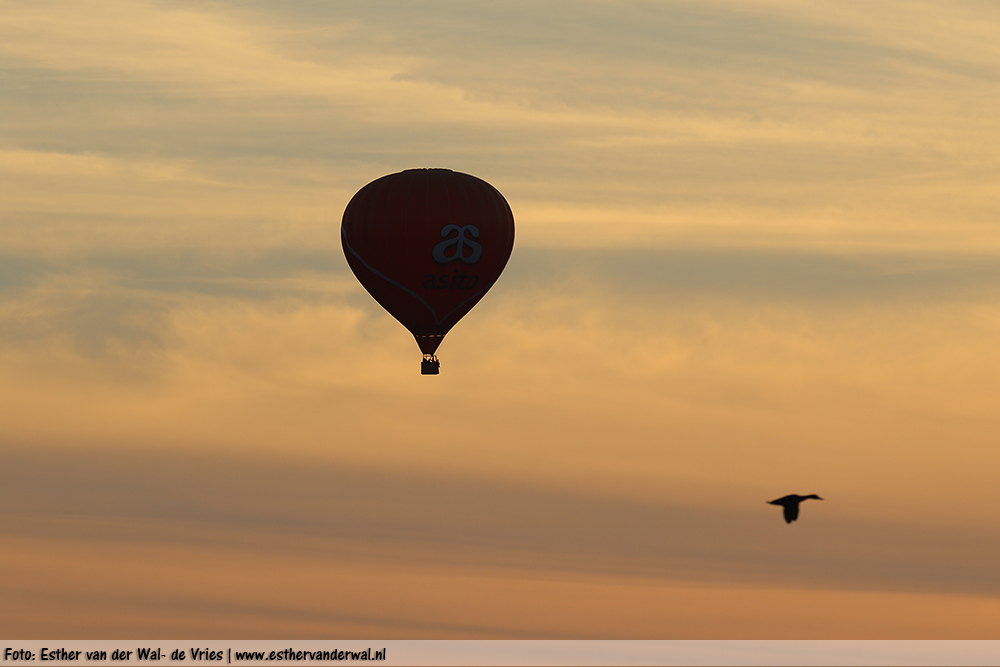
461 243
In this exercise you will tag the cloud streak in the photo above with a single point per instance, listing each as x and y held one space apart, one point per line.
771 123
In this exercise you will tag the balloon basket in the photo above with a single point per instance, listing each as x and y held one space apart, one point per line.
430 366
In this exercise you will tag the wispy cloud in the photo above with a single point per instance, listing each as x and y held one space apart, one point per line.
773 122
628 371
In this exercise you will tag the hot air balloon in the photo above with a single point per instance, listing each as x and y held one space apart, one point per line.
427 244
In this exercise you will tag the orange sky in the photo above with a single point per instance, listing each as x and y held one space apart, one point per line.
756 255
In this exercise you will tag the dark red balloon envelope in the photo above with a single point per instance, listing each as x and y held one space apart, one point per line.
427 244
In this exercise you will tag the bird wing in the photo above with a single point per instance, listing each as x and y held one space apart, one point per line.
791 512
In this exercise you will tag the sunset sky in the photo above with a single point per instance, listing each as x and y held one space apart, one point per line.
757 253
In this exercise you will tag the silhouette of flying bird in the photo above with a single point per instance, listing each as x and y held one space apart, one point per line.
791 505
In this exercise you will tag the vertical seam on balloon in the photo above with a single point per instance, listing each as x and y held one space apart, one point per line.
387 278
386 249
406 218
483 203
447 199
